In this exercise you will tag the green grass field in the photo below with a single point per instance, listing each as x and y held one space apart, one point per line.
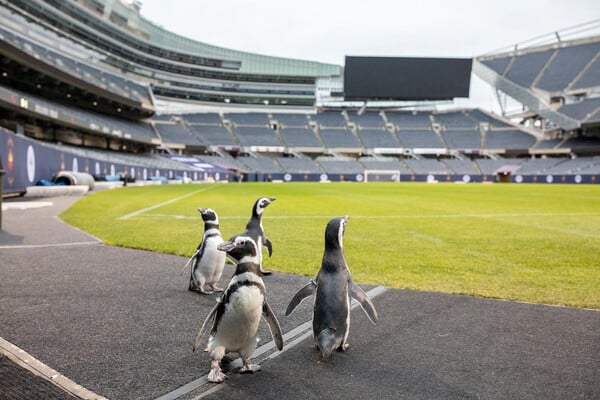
535 243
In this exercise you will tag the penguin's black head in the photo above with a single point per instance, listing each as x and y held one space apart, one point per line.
240 247
261 204
209 216
334 232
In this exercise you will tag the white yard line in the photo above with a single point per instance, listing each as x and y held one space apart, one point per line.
164 203
34 246
411 216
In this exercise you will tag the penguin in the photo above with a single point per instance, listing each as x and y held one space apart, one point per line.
236 316
334 289
254 229
208 262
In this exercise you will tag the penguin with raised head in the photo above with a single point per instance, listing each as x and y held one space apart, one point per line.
236 315
254 229
334 289
207 262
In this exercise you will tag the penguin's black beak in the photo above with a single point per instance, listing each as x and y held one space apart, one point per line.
226 246
345 218
272 199
201 210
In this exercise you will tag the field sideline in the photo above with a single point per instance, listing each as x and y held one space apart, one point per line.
535 243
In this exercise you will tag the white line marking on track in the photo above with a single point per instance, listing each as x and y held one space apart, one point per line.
164 203
298 334
32 364
33 246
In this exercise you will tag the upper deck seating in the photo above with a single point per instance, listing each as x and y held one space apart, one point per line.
378 138
248 119
214 135
455 120
368 119
329 119
203 118
339 138
409 120
512 139
176 133
291 120
300 137
419 139
566 65
257 136
462 139
525 68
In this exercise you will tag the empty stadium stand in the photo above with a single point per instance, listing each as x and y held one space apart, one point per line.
419 139
95 80
176 134
463 139
367 120
303 138
292 120
409 120
329 119
378 138
257 136
339 138
299 165
555 82
508 140
214 135
565 66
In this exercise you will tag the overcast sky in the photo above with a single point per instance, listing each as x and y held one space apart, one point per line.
328 30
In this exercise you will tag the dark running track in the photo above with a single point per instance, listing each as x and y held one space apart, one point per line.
121 323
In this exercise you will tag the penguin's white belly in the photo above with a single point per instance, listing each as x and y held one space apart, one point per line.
212 261
259 243
238 327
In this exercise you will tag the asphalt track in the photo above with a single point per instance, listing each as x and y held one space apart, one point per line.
120 323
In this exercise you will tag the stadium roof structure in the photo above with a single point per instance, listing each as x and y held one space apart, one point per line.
117 37
555 77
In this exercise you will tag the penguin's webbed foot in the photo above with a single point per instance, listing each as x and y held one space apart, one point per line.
217 289
248 367
215 375
343 347
265 272
200 290
323 358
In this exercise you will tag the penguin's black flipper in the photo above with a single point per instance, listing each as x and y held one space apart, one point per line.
268 245
273 325
365 302
211 318
303 293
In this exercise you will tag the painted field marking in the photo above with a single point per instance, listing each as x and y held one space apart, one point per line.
298 334
411 216
164 203
41 246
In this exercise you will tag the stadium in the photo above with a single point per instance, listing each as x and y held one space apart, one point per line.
94 87
472 230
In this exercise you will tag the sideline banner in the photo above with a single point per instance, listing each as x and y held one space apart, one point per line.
27 161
